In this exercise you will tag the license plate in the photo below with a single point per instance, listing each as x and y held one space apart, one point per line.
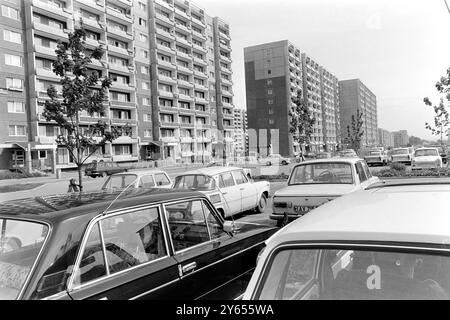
303 209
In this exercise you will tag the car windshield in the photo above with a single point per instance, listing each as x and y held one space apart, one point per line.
322 173
20 244
374 153
400 151
197 182
348 274
426 152
119 181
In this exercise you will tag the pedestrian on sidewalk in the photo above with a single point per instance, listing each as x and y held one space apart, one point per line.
73 186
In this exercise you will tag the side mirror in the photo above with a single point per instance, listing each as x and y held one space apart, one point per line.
229 227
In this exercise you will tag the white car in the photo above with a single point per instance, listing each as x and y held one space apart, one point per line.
348 153
373 157
230 189
313 183
138 179
275 159
402 155
426 158
391 241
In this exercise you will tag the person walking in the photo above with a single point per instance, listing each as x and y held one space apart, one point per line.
73 186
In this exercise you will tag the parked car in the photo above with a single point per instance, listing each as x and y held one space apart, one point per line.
230 189
442 152
139 179
426 158
402 155
323 155
313 183
389 241
103 168
348 153
276 159
373 157
147 244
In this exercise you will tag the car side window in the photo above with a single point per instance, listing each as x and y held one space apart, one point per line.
161 179
147 182
227 179
215 228
92 265
239 177
187 224
367 171
360 172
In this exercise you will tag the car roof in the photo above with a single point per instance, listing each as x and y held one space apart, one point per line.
139 172
413 211
64 206
210 171
427 148
351 160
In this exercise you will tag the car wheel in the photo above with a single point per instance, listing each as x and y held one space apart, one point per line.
262 204
268 163
280 223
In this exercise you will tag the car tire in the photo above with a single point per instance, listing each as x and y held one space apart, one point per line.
262 204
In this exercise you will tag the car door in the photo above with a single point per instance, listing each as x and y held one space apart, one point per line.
230 192
209 267
247 189
363 179
125 256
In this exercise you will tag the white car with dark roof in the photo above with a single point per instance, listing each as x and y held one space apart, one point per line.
230 189
313 183
390 241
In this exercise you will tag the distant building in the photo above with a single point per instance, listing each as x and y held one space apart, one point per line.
354 96
401 138
385 138
240 132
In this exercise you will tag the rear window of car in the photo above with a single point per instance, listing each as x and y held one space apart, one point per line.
194 182
161 179
20 244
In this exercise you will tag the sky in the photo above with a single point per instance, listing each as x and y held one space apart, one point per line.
398 48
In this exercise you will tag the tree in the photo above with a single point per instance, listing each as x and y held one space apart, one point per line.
355 132
415 141
78 95
301 120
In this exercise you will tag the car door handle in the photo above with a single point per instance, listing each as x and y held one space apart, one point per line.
189 267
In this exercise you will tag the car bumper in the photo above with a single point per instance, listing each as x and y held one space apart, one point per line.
289 216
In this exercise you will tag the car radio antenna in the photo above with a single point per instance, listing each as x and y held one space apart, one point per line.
119 195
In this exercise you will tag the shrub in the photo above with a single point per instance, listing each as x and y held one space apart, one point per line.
398 166
19 175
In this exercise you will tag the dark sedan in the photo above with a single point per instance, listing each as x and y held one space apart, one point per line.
137 244
102 169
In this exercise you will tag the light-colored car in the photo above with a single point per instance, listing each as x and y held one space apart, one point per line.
313 183
230 189
276 159
390 241
324 155
402 155
138 179
379 157
348 153
426 158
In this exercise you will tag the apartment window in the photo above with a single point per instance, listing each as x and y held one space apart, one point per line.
225 88
119 96
271 121
92 35
117 43
142 22
117 61
145 70
147 117
166 117
185 119
269 71
198 68
145 85
121 114
117 26
199 94
14 84
164 58
10 12
45 42
164 87
143 38
212 74
200 120
182 63
199 81
147 133
184 91
269 91
198 43
184 105
16 107
142 6
163 43
271 111
13 60
49 22
182 49
144 53
165 73
226 100
11 36
165 102
270 101
16 131
146 101
122 149
120 79
182 77
167 133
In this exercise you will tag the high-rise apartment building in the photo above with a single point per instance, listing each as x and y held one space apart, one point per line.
355 96
385 138
274 73
401 138
171 68
240 132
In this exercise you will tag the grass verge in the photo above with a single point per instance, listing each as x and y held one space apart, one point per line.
19 187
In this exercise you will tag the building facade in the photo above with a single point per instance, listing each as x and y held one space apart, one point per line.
354 96
385 138
401 138
274 74
171 69
240 132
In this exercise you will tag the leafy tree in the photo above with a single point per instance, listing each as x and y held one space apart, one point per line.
301 120
415 141
78 95
355 132
440 127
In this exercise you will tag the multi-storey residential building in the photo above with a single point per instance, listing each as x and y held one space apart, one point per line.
275 72
171 70
354 96
240 132
385 138
401 138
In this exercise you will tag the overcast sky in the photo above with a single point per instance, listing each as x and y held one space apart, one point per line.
398 48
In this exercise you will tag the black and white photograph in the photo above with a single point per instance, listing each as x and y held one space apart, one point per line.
216 156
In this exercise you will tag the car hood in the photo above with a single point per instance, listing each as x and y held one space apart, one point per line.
315 190
426 158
